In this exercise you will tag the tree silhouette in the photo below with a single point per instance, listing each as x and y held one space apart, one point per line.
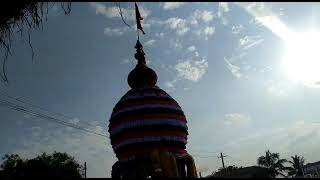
273 163
24 16
296 166
18 17
57 165
223 172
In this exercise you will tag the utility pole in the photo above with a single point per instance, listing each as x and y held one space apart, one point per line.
221 156
85 169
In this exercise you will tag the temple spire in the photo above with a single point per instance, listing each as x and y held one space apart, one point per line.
140 53
141 76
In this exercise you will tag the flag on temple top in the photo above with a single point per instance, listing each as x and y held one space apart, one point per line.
138 18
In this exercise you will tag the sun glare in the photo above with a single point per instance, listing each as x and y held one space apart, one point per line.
301 59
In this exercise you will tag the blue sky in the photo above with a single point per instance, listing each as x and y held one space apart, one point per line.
221 61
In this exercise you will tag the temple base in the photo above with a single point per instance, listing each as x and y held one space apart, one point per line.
155 165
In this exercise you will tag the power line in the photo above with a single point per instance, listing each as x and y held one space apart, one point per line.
201 155
23 109
204 151
42 116
22 100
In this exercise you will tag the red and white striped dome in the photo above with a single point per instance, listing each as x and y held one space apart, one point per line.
146 117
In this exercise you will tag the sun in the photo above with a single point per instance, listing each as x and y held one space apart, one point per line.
301 60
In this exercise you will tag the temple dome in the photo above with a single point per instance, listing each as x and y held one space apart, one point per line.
146 117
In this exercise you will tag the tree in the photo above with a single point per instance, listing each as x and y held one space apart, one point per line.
224 172
273 163
18 17
296 166
57 165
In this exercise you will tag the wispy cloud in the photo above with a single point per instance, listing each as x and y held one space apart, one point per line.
204 15
191 48
205 32
237 118
237 29
115 31
113 11
175 44
279 88
74 121
263 13
192 69
222 11
249 41
170 85
182 26
177 24
224 7
208 31
159 35
125 61
149 43
172 5
207 16
235 70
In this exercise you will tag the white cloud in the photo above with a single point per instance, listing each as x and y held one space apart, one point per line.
115 31
172 5
237 118
208 30
255 22
159 35
263 13
113 12
191 69
237 29
177 24
279 88
149 43
182 26
74 121
224 7
249 41
235 70
205 15
222 10
192 48
169 85
205 32
125 61
176 44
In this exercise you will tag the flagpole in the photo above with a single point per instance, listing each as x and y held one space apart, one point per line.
137 22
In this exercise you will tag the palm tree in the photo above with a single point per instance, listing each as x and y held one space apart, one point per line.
273 163
297 164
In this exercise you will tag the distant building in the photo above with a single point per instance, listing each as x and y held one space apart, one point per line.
312 170
244 172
